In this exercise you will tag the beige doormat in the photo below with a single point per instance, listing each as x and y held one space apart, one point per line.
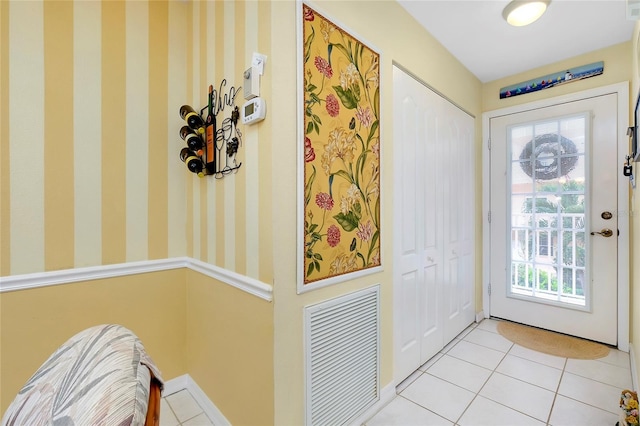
550 342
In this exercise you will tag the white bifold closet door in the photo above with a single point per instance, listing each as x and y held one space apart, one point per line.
434 207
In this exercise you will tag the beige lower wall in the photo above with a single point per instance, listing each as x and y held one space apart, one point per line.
229 337
189 323
35 322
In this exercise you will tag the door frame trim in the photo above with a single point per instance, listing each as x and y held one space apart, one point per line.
622 91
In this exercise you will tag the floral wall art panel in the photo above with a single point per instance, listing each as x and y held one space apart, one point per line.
341 126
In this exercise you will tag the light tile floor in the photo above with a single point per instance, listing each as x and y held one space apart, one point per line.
181 409
481 378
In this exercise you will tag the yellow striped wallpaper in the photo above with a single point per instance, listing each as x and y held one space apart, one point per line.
87 127
113 123
89 167
58 122
217 193
26 138
5 259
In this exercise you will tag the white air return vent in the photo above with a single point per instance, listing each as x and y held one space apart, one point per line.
633 9
342 347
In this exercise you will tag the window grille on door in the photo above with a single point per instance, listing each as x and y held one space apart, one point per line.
548 201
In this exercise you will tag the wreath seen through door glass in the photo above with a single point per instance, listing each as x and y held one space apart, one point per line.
548 156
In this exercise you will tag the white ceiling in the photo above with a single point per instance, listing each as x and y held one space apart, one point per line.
475 32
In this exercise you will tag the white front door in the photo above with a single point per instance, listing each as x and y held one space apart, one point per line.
433 225
554 217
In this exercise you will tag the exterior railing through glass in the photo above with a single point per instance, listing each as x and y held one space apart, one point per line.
548 256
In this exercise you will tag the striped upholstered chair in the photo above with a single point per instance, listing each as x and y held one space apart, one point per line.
101 376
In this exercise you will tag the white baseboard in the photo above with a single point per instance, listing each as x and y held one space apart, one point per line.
207 405
634 370
386 396
480 316
175 385
186 382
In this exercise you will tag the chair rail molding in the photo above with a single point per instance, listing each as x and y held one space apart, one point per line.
67 276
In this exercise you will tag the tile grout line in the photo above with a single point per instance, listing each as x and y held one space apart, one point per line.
596 380
442 354
563 371
180 422
536 362
555 396
506 375
172 411
562 375
424 408
577 400
483 385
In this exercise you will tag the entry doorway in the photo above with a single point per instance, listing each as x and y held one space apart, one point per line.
556 203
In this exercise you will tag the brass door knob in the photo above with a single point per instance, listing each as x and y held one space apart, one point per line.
605 232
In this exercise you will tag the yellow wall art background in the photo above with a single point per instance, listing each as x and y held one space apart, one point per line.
341 151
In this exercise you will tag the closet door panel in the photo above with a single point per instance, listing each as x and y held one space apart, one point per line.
429 188
458 223
409 240
431 257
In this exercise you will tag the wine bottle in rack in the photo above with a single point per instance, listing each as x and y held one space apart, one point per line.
192 118
210 132
193 140
193 162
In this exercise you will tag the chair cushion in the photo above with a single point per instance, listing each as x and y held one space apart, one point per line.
101 376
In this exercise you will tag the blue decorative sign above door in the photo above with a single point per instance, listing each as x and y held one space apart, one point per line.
553 80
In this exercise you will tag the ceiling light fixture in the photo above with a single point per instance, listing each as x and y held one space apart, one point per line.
523 12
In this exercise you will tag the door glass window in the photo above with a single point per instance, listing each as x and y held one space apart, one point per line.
548 201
